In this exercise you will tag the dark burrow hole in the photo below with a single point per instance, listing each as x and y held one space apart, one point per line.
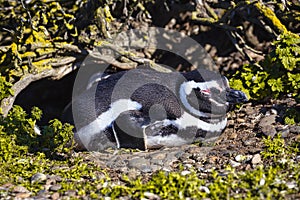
51 96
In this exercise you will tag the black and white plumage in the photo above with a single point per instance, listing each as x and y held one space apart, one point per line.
144 109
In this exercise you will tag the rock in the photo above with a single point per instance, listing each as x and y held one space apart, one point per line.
22 195
55 196
262 181
269 130
158 156
185 172
133 173
295 129
291 185
249 142
297 138
55 187
241 120
157 161
268 120
151 195
204 189
256 159
145 168
38 177
141 164
20 189
240 158
233 135
249 110
230 122
70 193
234 163
283 131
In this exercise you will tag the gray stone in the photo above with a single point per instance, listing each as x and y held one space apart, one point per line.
249 142
268 120
234 163
139 163
70 193
38 177
295 129
158 156
269 130
157 161
55 187
145 168
283 131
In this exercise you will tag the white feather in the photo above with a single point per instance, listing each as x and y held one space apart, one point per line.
187 120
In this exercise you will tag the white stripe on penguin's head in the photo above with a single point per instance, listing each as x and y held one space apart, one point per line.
186 89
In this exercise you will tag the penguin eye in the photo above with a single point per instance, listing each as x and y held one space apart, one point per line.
206 91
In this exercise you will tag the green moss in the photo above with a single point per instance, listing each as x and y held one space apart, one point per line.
24 153
276 75
5 88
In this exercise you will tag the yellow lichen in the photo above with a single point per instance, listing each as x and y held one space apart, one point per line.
267 12
28 54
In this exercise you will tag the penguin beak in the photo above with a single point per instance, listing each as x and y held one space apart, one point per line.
235 96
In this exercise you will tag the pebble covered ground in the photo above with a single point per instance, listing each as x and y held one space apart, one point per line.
239 146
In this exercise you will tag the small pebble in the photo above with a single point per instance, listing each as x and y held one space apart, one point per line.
151 195
55 196
20 189
185 172
233 136
38 177
70 193
234 163
262 182
240 120
291 185
273 111
240 158
22 195
55 187
204 189
283 131
249 142
256 159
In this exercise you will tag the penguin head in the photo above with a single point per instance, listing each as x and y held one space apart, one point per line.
210 97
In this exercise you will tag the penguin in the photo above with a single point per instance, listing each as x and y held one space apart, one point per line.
147 109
